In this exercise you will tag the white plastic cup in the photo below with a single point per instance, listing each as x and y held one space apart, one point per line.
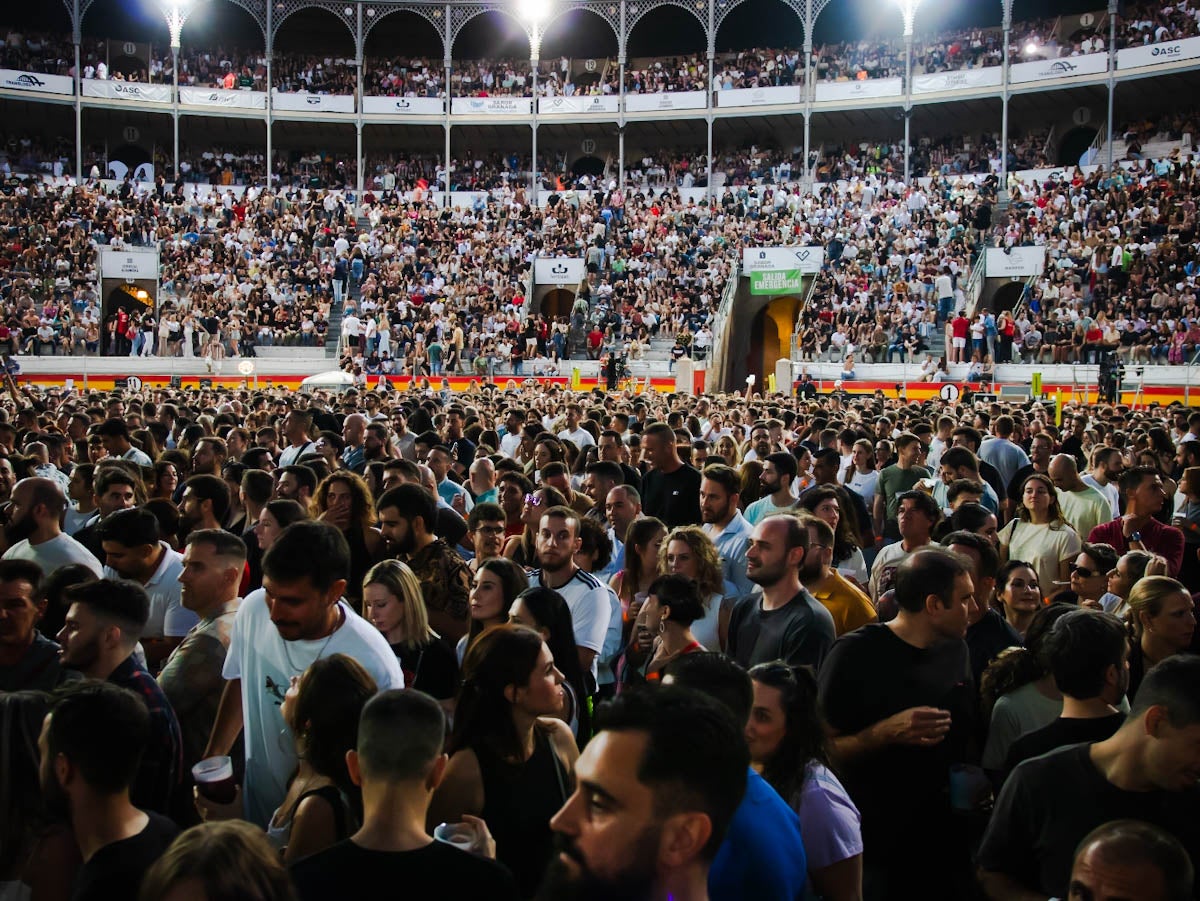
460 835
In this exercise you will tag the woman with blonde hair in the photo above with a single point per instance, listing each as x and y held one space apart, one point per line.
727 449
230 859
1162 622
343 500
1040 535
395 605
689 552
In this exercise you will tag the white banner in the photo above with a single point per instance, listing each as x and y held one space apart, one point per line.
1166 52
584 104
808 259
652 103
127 90
492 106
36 81
859 90
404 106
1064 67
215 97
1021 261
313 103
1041 176
990 77
759 96
558 271
134 263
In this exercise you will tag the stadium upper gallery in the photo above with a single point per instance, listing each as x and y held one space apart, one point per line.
895 195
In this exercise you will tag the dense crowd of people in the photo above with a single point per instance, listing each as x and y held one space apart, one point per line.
559 645
234 68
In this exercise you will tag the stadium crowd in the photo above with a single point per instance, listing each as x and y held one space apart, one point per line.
542 643
234 68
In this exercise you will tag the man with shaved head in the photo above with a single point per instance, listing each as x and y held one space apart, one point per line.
1083 506
34 528
354 431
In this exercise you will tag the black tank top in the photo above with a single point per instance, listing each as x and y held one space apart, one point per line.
519 800
360 564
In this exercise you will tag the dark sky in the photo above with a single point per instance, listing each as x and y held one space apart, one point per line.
665 31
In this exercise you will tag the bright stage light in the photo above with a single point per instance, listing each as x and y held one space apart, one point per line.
533 10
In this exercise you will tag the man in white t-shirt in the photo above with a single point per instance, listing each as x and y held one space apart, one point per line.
581 438
295 619
36 507
587 599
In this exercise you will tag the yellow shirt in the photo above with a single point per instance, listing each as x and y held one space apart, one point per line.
848 605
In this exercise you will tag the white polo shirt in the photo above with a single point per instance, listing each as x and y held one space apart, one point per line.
168 617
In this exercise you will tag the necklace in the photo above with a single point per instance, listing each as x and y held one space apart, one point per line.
288 654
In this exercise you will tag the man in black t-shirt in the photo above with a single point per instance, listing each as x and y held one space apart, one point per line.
90 746
899 698
1146 771
785 622
671 490
1088 652
399 763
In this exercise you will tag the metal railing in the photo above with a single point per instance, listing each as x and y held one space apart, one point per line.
724 308
975 281
812 288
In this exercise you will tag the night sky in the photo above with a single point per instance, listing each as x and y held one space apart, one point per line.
665 31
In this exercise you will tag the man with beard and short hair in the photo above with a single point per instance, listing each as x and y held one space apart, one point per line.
296 483
785 622
587 598
297 617
205 504
602 477
91 748
655 792
34 530
399 763
779 470
902 692
134 550
486 533
406 516
297 429
208 456
103 622
354 427
760 444
846 602
1137 529
612 449
989 632
720 488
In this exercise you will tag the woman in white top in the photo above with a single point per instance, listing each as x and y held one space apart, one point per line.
689 552
1039 535
861 476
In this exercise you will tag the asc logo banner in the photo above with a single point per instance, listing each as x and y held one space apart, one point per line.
806 259
1157 54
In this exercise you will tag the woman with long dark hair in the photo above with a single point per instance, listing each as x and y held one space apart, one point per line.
512 759
497 582
322 805
788 746
344 501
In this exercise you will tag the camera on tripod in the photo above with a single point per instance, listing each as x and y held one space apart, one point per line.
1112 373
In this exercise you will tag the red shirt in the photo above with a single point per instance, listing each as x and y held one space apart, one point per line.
1166 541
960 327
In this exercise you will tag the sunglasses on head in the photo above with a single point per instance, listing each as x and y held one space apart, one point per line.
533 500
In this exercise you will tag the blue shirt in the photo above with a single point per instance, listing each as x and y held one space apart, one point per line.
762 857
731 545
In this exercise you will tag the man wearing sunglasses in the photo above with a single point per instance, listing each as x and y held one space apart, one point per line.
1089 572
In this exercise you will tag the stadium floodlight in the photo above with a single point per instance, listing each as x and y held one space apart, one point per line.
535 11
